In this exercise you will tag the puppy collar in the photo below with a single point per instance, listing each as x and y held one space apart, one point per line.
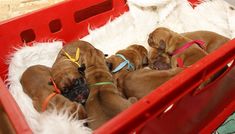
101 83
180 62
46 101
187 45
123 64
74 60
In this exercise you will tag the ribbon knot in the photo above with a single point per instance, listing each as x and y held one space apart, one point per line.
123 64
74 60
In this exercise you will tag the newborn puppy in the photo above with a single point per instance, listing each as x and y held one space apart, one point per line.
212 40
161 61
37 85
136 57
141 82
171 42
104 101
65 71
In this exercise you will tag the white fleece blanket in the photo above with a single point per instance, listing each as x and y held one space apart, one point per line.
132 27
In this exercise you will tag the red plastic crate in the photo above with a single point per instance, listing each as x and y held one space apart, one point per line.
192 111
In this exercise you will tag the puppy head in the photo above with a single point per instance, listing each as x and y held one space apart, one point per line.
159 60
163 39
142 52
66 74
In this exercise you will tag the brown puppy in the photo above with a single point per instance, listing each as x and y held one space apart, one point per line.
104 101
173 41
65 72
161 61
169 42
137 56
141 82
36 84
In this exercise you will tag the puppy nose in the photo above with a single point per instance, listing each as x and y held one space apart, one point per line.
79 81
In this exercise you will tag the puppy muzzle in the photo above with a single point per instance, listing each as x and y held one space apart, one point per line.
78 92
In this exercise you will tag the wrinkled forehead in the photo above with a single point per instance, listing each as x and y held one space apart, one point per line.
94 53
140 49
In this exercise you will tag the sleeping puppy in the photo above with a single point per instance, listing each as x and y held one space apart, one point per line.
104 101
161 61
65 71
165 42
37 85
141 82
135 56
171 42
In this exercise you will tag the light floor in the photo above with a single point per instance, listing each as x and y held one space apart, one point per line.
12 8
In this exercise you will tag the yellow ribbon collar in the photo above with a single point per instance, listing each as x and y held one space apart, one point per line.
74 60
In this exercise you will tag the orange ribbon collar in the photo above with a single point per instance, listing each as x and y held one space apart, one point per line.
49 97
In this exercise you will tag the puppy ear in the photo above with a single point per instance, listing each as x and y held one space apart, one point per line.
151 40
82 68
145 61
106 55
109 65
162 45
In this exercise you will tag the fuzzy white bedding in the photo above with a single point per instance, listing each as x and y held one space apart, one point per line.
132 27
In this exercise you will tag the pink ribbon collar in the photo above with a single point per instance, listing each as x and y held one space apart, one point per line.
183 48
187 45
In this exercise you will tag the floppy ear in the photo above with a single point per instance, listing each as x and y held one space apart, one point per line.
151 41
82 68
109 65
162 45
145 61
